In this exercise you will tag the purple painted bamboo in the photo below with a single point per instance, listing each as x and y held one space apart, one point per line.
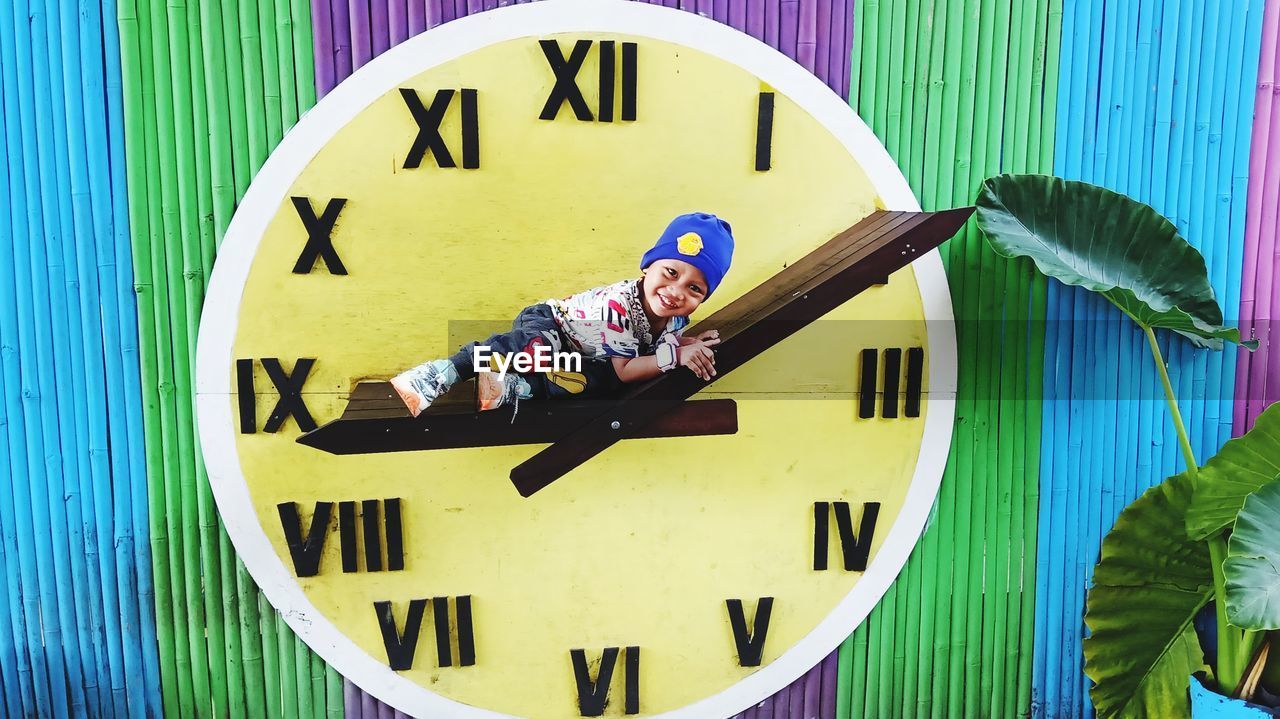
827 694
417 17
341 40
322 42
821 37
1255 377
380 26
350 699
361 40
398 21
807 33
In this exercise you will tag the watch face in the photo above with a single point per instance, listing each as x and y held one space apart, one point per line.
530 153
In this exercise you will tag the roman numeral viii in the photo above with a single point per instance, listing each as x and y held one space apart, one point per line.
566 80
287 384
593 692
855 548
891 388
402 644
380 519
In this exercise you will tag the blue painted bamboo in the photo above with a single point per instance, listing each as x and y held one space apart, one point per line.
44 325
30 670
111 498
12 645
95 488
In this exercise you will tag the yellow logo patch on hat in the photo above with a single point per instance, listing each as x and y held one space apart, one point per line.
689 243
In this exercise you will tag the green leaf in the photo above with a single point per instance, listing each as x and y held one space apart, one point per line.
1253 562
1091 237
1238 469
1148 586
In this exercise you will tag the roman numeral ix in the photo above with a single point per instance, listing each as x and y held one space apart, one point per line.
429 119
566 80
891 392
287 384
402 644
380 519
593 692
854 547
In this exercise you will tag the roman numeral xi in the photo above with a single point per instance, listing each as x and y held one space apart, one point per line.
429 119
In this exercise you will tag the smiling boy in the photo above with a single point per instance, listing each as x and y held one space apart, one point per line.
629 331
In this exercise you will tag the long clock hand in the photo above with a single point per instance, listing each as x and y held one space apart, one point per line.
849 263
376 421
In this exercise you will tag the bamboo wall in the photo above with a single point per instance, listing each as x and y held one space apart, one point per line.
124 596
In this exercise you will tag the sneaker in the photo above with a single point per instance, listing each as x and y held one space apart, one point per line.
420 386
497 390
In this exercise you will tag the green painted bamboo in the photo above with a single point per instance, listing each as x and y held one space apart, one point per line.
304 59
288 679
266 39
192 676
897 21
302 677
196 232
285 68
270 657
237 112
132 73
255 105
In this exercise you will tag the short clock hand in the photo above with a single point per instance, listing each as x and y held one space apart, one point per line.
854 260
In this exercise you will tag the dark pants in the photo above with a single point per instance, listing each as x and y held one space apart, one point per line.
536 325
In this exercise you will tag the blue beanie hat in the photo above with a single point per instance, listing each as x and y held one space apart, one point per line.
703 240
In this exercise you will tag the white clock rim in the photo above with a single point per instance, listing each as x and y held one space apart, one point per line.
442 44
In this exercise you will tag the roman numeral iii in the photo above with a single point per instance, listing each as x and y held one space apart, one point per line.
380 520
891 390
855 548
566 87
402 644
593 691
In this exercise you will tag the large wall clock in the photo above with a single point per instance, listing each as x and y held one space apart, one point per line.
533 152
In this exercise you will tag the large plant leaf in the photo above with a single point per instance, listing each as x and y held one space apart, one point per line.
1238 469
1148 586
1253 562
1094 238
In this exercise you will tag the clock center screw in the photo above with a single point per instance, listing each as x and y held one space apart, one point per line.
615 424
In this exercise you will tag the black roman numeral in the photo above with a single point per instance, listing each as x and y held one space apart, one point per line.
855 548
593 692
566 80
402 644
379 517
764 132
429 138
319 236
287 385
750 643
891 392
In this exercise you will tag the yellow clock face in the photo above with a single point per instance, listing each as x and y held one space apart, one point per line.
681 576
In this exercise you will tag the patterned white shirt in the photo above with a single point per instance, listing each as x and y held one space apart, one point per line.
610 321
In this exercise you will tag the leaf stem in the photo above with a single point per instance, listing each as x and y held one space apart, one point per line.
1230 666
1187 454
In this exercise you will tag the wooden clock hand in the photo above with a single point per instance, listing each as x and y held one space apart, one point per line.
849 263
376 420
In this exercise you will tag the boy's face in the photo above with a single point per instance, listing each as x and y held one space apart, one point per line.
673 288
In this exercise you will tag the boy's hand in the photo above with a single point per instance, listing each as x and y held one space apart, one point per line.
701 337
698 357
